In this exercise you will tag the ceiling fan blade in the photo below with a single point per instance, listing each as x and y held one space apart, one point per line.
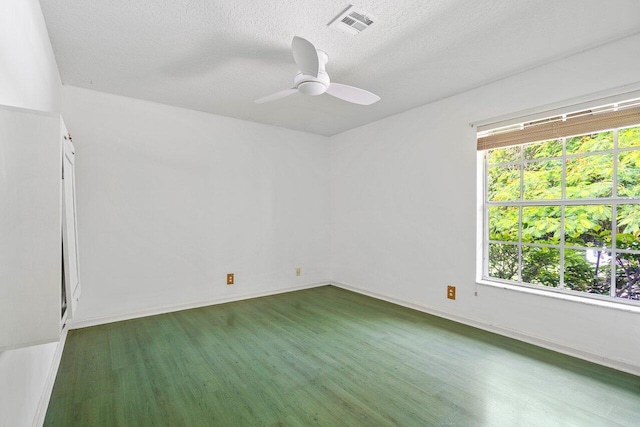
306 56
352 94
277 95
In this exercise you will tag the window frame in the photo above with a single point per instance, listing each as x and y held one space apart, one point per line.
614 201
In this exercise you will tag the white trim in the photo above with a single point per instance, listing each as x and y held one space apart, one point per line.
28 111
618 304
610 96
78 324
620 365
27 344
43 403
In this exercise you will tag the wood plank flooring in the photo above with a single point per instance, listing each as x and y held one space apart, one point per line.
328 357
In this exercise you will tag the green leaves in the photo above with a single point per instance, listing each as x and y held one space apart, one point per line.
628 231
589 177
503 223
628 241
590 143
503 155
541 266
503 261
588 225
587 271
629 137
542 180
541 224
544 149
541 230
504 183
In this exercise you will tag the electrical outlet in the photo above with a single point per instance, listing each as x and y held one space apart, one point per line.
297 271
230 279
451 292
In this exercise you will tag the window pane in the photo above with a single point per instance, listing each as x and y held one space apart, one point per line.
503 223
562 222
541 224
628 222
629 174
503 155
542 180
543 149
504 183
587 271
503 261
587 225
541 266
629 137
589 176
588 143
628 276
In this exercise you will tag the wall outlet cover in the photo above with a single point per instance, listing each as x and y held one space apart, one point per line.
451 292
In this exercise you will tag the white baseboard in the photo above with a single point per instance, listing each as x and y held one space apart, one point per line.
78 324
549 345
43 403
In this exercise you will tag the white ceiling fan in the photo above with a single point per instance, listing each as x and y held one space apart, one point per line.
312 79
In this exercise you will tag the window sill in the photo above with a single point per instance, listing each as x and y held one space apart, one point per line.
622 306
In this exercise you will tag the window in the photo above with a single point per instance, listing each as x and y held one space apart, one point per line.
564 212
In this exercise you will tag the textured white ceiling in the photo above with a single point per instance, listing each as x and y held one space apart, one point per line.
218 56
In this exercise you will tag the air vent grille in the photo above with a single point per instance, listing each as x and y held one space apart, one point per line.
361 18
351 21
348 21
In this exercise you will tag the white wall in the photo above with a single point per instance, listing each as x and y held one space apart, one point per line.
28 79
28 72
30 226
22 376
404 210
171 200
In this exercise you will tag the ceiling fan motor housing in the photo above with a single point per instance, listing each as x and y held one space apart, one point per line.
311 85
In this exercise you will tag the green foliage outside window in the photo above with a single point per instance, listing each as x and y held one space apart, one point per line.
560 242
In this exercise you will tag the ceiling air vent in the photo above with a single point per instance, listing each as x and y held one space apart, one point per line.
352 21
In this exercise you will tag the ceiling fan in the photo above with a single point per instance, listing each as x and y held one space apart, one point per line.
312 79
